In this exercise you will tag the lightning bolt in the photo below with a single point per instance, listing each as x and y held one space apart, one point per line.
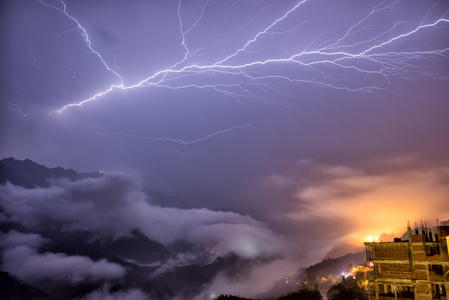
178 140
37 66
15 107
186 32
69 68
84 34
261 33
367 56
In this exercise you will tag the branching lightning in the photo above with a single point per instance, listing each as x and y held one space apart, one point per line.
84 34
179 140
15 107
69 68
261 33
37 66
245 75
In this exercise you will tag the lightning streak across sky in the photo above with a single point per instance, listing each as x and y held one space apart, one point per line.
364 54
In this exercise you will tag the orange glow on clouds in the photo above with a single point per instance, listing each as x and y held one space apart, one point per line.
376 204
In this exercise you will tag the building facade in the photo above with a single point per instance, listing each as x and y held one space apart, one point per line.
417 268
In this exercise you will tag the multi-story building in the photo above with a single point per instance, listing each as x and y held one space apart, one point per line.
417 268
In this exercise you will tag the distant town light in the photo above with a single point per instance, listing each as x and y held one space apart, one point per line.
372 239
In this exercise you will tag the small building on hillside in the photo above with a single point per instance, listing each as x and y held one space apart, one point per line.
417 268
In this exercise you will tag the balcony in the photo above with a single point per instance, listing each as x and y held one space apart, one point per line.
386 296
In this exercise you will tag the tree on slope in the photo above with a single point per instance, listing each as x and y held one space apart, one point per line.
346 290
303 294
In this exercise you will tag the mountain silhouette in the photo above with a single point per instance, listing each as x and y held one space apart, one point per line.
12 287
28 174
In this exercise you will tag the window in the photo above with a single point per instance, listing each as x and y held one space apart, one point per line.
442 289
369 252
432 250
405 292
438 269
438 291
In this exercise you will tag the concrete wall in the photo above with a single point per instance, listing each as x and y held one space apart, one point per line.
391 251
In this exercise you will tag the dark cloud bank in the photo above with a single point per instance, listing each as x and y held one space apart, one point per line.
55 236
94 236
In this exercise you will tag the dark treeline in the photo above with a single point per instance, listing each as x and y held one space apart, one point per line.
303 294
346 290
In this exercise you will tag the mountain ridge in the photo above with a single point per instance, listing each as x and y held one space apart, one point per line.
29 174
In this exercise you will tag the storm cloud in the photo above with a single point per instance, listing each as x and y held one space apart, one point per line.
347 204
20 257
113 206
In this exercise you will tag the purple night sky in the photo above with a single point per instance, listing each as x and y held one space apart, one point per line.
303 124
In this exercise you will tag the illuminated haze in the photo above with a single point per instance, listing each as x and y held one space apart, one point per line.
306 124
